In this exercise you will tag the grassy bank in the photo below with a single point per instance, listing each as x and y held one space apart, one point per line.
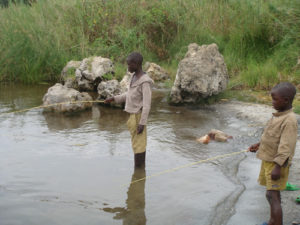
260 40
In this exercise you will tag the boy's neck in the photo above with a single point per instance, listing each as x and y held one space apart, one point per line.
285 109
139 72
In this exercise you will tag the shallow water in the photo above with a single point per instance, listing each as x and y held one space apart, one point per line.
57 169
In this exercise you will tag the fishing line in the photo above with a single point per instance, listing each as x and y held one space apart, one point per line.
51 105
187 165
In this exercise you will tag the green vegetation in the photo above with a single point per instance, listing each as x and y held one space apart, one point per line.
260 40
71 72
6 3
107 76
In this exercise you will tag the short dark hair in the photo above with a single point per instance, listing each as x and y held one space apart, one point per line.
135 57
286 90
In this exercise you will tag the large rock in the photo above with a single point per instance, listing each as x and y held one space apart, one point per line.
68 77
85 75
156 72
91 71
125 82
200 74
62 94
107 89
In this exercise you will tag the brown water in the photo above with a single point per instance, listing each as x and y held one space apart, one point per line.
57 169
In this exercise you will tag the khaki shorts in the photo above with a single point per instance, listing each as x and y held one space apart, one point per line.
266 180
138 141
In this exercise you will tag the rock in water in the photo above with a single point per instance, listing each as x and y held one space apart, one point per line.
90 72
107 89
59 93
68 74
125 82
156 72
202 73
85 75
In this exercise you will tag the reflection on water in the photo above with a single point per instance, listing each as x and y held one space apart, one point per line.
134 212
16 97
106 118
57 121
111 119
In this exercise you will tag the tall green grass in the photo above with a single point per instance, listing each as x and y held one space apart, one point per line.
259 39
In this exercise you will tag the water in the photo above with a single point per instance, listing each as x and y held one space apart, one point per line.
57 169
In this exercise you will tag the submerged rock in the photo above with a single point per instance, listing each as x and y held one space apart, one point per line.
202 73
62 94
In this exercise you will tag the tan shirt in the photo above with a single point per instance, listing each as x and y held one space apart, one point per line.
138 97
279 138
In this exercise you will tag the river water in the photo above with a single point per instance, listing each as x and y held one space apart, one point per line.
57 169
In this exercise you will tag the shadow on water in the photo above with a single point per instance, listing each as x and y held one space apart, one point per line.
134 212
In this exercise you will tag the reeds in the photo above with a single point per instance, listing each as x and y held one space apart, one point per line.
259 39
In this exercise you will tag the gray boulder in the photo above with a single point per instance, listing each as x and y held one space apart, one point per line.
107 89
91 71
85 75
156 72
202 73
125 82
68 74
62 94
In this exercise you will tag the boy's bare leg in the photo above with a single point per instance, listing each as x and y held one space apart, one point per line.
275 206
139 159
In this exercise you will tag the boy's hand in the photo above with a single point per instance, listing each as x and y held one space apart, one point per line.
109 100
275 175
254 148
140 129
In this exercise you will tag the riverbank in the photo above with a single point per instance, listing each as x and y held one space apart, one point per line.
258 39
252 207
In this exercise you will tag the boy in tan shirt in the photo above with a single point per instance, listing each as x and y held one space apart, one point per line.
277 147
137 103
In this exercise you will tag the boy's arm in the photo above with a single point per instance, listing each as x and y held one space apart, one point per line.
287 143
120 98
